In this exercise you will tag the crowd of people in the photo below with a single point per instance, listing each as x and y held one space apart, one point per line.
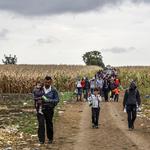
106 81
104 84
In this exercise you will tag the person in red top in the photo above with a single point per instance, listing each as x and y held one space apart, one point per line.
117 81
83 84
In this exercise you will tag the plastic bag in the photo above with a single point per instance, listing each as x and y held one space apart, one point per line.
109 94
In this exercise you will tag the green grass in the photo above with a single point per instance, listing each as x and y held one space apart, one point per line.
27 121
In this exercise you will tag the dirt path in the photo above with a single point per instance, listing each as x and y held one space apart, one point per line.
73 130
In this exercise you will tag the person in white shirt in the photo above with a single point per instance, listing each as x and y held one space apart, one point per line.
79 88
95 98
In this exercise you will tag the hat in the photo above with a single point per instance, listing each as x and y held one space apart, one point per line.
86 79
79 78
93 78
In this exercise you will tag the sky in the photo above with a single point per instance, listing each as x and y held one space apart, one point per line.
62 31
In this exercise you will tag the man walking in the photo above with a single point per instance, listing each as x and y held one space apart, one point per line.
131 96
51 94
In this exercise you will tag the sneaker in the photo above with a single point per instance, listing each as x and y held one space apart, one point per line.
133 126
41 143
130 129
110 98
50 141
93 125
96 127
84 100
40 112
80 100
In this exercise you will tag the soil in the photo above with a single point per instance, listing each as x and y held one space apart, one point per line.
73 129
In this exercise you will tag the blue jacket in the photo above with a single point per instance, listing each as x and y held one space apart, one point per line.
54 99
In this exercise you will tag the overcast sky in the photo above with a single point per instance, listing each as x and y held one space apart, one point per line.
61 31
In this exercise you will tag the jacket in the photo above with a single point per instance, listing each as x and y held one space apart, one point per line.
37 94
117 81
54 98
132 96
87 85
112 85
92 84
100 83
116 91
83 84
106 88
95 100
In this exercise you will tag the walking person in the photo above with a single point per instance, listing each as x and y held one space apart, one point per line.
51 94
117 81
95 98
79 88
131 96
116 91
106 89
83 85
86 89
100 83
112 87
92 84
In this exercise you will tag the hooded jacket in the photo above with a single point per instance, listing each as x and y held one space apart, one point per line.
132 96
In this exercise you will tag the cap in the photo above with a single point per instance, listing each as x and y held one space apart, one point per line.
79 78
86 78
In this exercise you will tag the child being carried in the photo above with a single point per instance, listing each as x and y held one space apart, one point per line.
38 96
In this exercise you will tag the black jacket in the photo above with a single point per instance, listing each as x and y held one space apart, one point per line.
106 88
87 85
131 96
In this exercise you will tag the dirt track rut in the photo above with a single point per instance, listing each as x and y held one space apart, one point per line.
73 130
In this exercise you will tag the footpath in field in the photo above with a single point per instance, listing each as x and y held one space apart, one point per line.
73 129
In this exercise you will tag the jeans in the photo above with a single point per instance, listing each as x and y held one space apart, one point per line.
116 97
95 115
48 116
92 91
106 96
86 93
131 111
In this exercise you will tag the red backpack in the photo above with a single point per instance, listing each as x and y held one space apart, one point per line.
117 81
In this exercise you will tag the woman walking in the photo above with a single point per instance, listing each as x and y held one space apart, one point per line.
106 89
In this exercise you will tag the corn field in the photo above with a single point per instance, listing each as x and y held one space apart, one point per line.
140 75
22 78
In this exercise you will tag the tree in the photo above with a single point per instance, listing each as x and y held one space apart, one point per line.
9 59
93 58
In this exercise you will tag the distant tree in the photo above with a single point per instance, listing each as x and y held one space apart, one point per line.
9 59
108 66
93 58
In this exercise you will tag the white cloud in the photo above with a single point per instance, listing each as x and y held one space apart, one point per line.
47 40
3 33
118 49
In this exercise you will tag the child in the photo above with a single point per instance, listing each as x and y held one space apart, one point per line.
116 91
96 98
38 96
